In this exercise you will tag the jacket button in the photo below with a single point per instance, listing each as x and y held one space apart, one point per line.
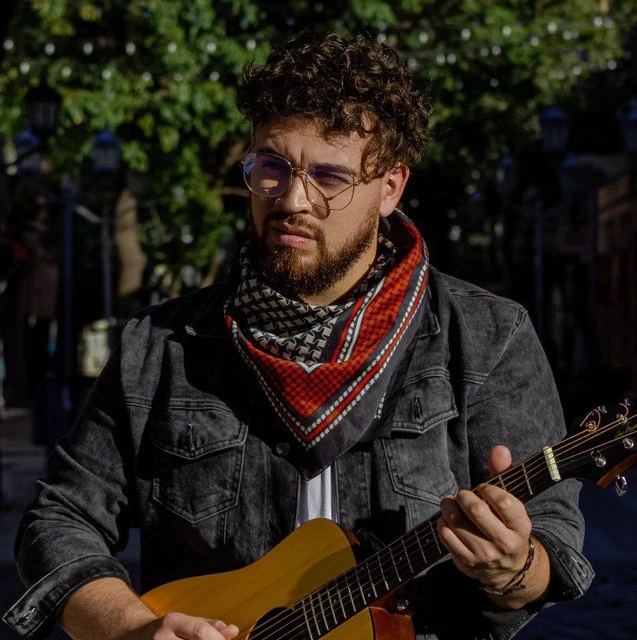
282 449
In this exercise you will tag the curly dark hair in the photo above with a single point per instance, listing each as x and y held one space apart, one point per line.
350 85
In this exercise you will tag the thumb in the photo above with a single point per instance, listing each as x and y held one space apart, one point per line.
499 460
230 631
226 630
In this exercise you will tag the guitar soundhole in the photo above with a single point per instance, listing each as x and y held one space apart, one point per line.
278 624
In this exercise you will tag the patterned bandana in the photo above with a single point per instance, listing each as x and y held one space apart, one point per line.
325 369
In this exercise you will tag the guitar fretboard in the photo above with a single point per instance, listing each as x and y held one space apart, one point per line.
394 565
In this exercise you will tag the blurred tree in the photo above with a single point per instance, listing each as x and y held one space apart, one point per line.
6 12
162 75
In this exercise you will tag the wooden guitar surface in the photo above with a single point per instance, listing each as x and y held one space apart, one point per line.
307 559
310 586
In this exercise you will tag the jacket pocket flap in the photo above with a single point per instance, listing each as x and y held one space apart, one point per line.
193 433
423 404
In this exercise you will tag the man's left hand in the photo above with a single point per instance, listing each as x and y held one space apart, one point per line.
487 534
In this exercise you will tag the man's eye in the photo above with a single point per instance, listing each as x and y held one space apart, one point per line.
329 178
272 164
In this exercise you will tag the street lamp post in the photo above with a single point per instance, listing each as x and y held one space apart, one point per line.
27 147
43 113
105 157
630 132
68 198
533 204
507 177
555 130
43 107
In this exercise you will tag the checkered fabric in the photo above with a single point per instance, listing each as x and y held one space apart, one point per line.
325 370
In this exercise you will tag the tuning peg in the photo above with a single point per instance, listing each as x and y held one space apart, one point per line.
621 486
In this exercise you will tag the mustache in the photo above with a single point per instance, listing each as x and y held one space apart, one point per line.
293 222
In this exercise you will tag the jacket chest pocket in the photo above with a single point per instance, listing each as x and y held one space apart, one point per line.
417 453
198 461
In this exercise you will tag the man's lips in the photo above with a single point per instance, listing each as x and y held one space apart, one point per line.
289 230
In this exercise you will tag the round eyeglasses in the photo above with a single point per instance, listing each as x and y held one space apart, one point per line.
327 186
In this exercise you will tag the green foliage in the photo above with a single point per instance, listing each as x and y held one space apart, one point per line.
162 74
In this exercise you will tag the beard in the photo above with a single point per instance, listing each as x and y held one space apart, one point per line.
295 275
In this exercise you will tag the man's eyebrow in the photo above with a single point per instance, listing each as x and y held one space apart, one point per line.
268 150
327 166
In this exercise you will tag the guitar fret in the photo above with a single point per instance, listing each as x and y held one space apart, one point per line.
382 573
435 536
395 566
526 477
411 568
340 599
422 551
320 600
360 587
365 585
307 620
314 617
329 600
349 592
371 580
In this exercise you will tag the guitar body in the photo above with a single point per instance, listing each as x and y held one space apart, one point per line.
310 585
308 558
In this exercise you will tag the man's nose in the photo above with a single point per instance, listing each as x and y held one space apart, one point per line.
295 199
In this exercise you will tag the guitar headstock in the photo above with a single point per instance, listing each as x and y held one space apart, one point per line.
603 448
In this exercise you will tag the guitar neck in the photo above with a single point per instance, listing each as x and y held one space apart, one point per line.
409 555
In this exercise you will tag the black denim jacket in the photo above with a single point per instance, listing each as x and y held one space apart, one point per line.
176 439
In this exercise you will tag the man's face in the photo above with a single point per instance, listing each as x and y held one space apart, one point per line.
304 250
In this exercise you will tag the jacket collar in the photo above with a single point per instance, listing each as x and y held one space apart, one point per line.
209 322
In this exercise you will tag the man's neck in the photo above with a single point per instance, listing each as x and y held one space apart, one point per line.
340 290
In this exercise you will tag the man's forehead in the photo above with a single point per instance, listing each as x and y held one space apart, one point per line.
307 141
306 127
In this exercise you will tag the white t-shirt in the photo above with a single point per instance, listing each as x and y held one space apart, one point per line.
316 498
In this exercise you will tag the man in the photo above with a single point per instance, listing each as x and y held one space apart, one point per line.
336 375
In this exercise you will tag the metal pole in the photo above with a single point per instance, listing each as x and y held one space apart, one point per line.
106 275
593 240
538 265
68 198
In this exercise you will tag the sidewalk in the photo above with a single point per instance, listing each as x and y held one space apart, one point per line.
22 463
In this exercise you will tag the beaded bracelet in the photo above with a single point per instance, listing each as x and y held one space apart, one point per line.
515 584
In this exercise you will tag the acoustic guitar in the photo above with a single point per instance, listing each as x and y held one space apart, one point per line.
310 586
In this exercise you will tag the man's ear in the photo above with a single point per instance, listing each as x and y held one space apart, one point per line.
394 182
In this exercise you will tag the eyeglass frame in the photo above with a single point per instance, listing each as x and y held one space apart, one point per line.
294 171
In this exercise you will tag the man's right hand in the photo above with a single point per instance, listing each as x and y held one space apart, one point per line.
108 609
179 625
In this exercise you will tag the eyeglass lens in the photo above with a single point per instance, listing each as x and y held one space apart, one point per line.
267 174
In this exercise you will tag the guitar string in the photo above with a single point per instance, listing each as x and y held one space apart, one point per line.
405 564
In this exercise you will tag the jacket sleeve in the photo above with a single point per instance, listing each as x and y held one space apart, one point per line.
79 519
516 405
